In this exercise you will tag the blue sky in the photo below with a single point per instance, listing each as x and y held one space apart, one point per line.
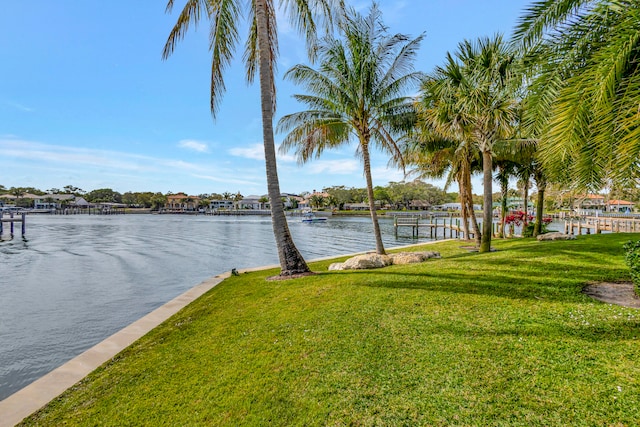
86 100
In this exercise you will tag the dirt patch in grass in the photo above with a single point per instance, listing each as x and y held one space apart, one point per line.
614 293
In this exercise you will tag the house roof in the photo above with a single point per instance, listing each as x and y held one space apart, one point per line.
621 202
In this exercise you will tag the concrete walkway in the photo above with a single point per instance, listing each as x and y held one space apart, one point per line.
37 394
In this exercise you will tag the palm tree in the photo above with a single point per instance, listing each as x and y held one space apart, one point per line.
479 87
317 200
444 145
260 55
358 91
585 68
436 157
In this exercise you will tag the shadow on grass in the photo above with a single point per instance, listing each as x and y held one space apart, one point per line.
519 269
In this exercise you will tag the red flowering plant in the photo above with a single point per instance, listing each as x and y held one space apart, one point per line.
520 218
517 218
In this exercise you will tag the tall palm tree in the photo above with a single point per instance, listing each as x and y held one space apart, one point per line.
358 92
261 51
585 70
436 157
445 144
477 103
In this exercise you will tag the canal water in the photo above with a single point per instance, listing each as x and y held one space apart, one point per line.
74 280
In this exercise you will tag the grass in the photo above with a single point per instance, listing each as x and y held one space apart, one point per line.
504 339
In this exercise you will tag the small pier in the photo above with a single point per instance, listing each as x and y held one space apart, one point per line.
434 223
596 225
11 220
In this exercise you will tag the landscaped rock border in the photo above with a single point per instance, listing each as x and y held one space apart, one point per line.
372 260
556 236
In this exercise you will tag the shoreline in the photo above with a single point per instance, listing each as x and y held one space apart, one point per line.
39 393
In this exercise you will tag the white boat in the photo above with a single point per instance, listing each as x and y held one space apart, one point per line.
310 217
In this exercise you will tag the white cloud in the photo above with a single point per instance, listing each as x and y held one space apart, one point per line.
382 175
227 180
254 152
76 158
333 167
191 144
20 107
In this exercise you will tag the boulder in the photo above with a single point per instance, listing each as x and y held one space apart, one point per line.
368 261
336 266
412 257
556 236
362 262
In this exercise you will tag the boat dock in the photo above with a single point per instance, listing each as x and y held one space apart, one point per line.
434 222
11 220
596 225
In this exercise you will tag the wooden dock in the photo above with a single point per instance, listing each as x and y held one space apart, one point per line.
433 224
11 220
596 225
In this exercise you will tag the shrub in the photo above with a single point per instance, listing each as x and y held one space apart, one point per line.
632 258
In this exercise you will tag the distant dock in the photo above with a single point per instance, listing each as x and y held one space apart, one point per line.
596 225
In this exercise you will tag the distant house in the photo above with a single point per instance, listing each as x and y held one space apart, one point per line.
53 201
455 207
596 203
221 204
419 205
180 202
292 201
253 202
589 202
620 206
356 206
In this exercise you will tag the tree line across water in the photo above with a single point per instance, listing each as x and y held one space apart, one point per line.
398 195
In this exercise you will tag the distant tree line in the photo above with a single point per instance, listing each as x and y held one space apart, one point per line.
398 195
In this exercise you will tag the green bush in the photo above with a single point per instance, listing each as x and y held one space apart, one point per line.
632 258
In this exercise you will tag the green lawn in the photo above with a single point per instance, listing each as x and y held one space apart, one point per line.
504 338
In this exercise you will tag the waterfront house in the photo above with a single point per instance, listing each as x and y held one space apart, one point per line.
620 206
53 201
356 206
221 204
589 201
180 202
253 202
454 207
419 205
595 203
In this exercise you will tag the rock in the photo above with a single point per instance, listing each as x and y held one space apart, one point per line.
336 266
412 257
367 261
556 236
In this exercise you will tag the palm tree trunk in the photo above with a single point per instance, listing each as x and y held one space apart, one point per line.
472 212
525 198
372 202
504 190
291 261
487 215
541 183
464 209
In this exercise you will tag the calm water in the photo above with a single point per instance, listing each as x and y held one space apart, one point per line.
75 280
